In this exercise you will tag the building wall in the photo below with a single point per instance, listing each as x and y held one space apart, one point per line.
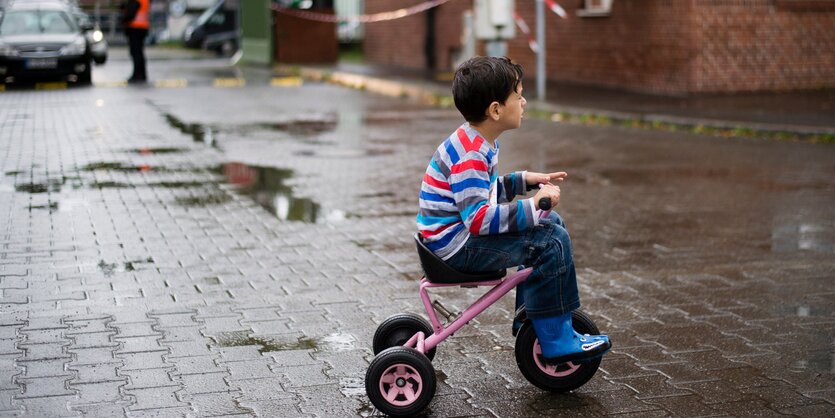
758 45
397 42
656 46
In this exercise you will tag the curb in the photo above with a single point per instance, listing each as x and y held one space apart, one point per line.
433 95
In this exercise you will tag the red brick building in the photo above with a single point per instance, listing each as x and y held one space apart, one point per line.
657 46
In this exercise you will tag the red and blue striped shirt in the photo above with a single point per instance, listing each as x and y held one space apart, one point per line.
462 194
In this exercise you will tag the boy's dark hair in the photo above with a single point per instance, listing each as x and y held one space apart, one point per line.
480 81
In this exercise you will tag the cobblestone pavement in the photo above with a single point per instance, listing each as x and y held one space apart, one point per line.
230 251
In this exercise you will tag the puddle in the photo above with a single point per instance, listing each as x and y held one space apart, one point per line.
267 186
119 166
52 207
159 150
109 268
210 199
13 173
338 342
242 338
110 185
332 343
301 127
343 153
198 132
179 184
52 186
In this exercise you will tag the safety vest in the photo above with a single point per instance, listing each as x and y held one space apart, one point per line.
142 20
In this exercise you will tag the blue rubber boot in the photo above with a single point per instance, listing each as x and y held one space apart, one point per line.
561 344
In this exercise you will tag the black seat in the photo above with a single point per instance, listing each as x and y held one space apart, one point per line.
437 271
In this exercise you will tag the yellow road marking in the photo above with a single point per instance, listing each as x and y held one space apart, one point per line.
112 84
229 82
173 83
286 81
59 85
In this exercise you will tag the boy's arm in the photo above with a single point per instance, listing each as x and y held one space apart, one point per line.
511 185
470 184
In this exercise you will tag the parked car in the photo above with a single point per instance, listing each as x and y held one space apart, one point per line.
95 37
216 29
43 38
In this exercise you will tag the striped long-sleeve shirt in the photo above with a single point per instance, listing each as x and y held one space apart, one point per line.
462 194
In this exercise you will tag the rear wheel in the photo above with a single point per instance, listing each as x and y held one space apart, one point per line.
397 329
554 378
400 381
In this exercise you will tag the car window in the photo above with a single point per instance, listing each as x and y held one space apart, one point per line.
28 22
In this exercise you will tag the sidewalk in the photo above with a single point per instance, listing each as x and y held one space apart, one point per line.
798 113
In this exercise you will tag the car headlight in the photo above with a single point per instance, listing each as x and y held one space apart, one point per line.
7 50
97 36
76 47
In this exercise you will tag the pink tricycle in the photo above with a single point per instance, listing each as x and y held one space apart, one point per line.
401 380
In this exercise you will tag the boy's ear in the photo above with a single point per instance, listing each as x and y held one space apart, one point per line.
493 111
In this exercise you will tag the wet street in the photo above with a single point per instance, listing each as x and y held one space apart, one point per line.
205 248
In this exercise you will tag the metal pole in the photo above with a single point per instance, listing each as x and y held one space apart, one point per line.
540 56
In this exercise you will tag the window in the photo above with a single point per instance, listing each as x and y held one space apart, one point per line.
595 8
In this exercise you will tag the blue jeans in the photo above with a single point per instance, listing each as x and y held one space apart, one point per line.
551 289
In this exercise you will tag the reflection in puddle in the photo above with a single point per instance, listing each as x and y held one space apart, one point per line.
267 186
803 236
52 186
332 343
209 199
200 133
158 150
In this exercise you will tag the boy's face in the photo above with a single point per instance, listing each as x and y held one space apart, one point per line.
510 115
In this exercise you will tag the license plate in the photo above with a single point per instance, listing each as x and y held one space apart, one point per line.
41 63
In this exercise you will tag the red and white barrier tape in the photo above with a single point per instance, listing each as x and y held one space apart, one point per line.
376 17
532 44
556 8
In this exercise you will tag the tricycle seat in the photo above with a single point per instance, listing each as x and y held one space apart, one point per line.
437 271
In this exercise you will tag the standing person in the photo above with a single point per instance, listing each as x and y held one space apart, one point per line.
136 18
467 218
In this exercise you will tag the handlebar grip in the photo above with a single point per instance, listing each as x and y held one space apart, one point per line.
544 203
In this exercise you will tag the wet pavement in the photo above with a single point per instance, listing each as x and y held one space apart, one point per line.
217 251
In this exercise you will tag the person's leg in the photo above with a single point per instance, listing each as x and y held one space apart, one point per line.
136 38
554 274
140 66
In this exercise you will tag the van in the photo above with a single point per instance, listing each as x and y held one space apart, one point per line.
216 29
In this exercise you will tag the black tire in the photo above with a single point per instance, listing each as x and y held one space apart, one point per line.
397 329
86 77
411 381
561 378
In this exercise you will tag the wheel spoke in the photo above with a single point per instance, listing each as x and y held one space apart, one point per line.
388 378
392 393
408 392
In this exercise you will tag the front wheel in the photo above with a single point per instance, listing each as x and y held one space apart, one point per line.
400 381
554 378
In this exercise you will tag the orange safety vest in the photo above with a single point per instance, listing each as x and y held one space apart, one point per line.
142 19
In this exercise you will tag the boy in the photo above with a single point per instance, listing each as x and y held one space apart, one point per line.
467 218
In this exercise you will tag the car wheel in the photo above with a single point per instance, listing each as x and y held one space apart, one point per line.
100 60
86 77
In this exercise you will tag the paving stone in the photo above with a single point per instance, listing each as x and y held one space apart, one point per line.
38 387
205 383
142 361
96 373
148 378
217 404
155 398
96 393
52 406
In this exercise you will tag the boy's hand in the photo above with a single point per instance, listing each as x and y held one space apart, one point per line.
532 178
549 191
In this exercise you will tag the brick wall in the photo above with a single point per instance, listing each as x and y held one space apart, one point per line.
657 46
